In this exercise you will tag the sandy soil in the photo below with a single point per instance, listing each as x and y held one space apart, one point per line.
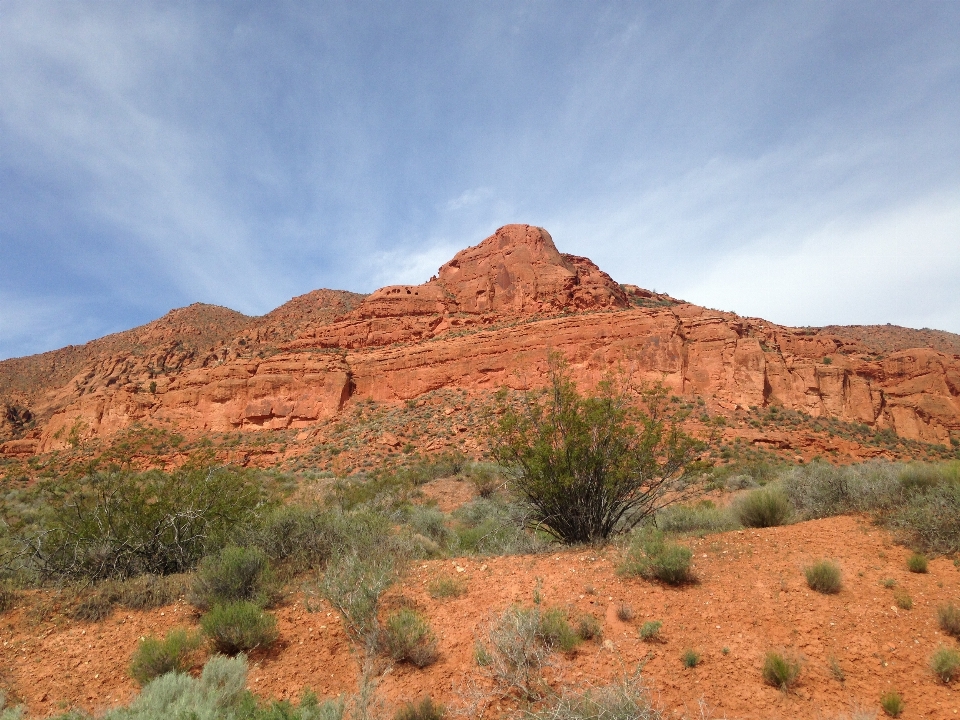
751 597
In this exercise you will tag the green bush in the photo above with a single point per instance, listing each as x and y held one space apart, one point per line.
8 597
949 618
233 574
902 599
824 577
301 538
426 709
945 664
691 658
122 524
239 627
493 526
650 630
590 467
781 671
917 563
154 657
763 508
407 637
704 517
555 630
516 652
650 555
354 583
892 703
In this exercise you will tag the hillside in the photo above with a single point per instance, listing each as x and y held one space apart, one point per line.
486 320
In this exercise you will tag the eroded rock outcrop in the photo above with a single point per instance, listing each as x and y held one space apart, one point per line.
487 319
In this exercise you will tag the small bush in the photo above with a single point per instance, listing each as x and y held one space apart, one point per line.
651 556
704 517
426 709
485 480
623 700
691 658
516 653
949 618
354 583
902 599
239 627
824 577
555 630
763 508
889 583
780 671
154 657
650 631
444 588
892 703
589 627
945 664
234 574
408 637
917 563
8 597
625 612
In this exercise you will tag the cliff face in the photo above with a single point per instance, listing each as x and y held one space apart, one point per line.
487 319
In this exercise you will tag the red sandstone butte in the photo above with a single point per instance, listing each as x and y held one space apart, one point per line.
487 319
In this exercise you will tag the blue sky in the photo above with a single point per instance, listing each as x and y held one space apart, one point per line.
795 161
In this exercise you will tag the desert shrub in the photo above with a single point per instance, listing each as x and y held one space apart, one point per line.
154 657
426 709
889 583
407 637
763 508
303 537
10 713
626 699
589 627
515 652
902 599
625 612
650 555
443 588
233 574
690 658
239 627
122 524
917 563
354 583
491 526
931 520
650 630
781 671
96 603
555 631
945 664
824 577
700 518
485 478
892 703
430 523
949 618
588 467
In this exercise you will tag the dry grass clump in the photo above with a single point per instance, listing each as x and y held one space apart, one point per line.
763 508
623 700
154 657
445 588
625 612
651 556
824 577
949 618
650 631
691 658
780 671
589 627
426 709
892 703
407 636
945 664
239 627
917 563
902 599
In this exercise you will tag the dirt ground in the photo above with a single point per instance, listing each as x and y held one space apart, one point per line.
750 597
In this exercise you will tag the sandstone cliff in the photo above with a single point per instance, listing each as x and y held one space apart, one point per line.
487 319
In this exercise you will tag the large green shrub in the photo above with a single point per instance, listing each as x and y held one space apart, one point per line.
589 467
121 524
155 657
234 574
239 627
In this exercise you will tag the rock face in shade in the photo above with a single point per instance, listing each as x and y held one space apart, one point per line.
487 319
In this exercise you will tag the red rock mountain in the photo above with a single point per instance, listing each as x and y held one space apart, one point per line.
487 319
